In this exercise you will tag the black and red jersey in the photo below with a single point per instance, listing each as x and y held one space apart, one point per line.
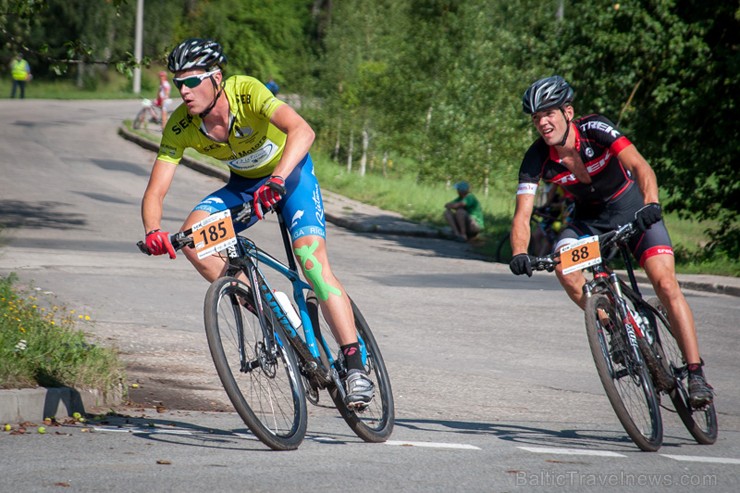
598 143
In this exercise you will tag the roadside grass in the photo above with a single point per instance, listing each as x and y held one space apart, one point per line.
425 203
41 346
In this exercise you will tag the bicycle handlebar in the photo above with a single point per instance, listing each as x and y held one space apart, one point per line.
606 240
240 213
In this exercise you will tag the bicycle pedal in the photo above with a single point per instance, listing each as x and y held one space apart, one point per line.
358 407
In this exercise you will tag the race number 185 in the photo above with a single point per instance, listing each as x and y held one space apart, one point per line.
213 234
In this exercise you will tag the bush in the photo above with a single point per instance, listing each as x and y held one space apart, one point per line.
39 346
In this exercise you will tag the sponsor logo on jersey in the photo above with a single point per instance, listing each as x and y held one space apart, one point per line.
591 168
255 159
565 179
168 150
296 217
604 127
308 231
244 131
319 204
526 189
596 166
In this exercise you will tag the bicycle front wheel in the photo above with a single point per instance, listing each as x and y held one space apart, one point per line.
701 423
375 422
623 374
257 367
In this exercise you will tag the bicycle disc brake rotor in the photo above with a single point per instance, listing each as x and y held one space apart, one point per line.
268 361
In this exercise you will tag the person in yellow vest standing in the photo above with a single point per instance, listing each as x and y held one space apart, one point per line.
21 72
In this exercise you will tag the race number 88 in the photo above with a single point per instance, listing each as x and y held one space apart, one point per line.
579 254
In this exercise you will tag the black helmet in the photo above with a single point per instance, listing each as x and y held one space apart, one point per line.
550 92
195 53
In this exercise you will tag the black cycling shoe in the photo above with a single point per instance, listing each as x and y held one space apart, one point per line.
701 393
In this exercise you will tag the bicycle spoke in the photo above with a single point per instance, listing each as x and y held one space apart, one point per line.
259 376
375 422
623 374
701 423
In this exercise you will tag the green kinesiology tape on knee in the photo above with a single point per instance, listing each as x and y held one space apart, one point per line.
322 288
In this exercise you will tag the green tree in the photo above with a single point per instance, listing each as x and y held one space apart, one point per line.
667 71
261 39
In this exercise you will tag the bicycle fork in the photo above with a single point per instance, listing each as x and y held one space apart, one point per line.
631 327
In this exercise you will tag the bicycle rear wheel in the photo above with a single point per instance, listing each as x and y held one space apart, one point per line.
374 423
140 119
261 378
701 423
624 376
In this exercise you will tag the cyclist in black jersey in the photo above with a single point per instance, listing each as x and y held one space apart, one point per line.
612 184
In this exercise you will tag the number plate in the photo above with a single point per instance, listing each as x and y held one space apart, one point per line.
213 234
580 255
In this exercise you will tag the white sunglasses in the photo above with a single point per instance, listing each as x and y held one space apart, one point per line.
192 81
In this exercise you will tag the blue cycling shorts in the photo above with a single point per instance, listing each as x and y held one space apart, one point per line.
302 206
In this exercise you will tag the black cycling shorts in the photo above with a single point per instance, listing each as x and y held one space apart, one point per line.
600 219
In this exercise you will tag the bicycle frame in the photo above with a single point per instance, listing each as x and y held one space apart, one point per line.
246 257
605 280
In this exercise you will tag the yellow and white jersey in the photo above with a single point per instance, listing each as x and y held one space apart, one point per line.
254 145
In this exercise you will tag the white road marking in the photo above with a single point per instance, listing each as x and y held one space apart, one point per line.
148 431
571 451
696 458
458 446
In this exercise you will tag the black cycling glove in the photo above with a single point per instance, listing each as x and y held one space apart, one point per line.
521 264
648 215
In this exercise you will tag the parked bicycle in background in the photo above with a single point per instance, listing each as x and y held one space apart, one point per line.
155 111
546 222
149 113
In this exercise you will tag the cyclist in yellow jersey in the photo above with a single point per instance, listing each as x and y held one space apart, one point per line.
265 143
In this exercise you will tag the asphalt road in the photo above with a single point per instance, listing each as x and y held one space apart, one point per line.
494 384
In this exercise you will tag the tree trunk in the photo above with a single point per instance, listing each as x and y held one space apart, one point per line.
351 149
365 145
339 137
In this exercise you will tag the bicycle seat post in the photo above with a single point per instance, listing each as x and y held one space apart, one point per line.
286 242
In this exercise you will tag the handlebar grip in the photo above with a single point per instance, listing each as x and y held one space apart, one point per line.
143 248
246 211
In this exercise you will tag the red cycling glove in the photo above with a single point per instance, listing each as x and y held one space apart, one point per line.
158 243
268 195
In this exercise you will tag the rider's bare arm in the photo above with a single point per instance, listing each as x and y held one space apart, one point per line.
520 224
642 172
300 137
159 183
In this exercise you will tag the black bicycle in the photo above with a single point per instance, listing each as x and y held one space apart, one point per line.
635 351
269 355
